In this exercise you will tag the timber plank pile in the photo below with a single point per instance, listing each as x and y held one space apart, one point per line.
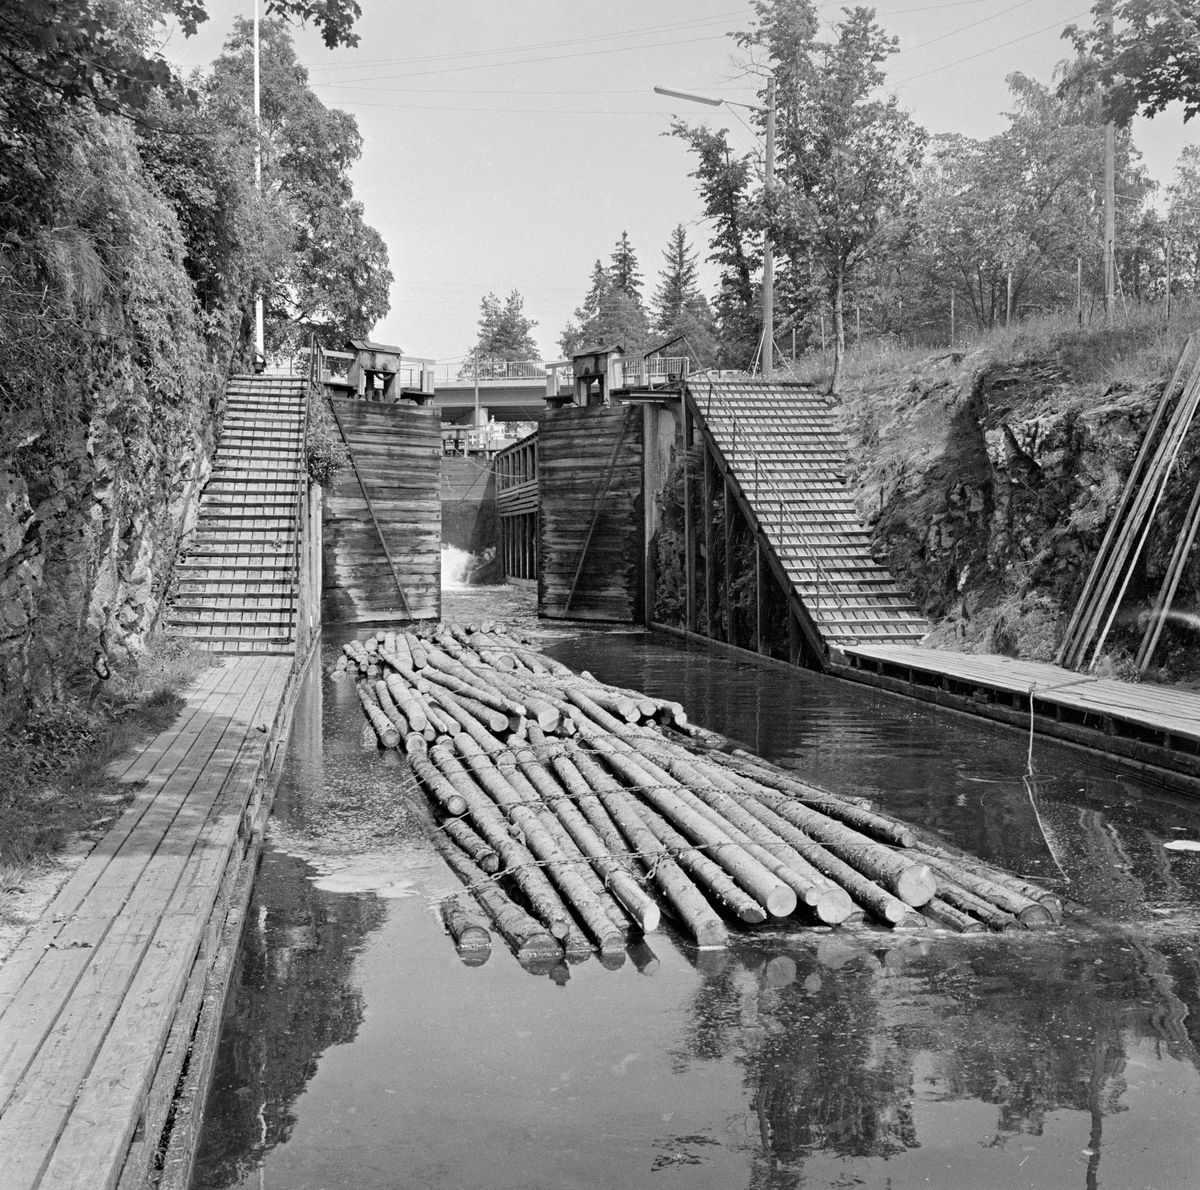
237 582
783 444
579 814
589 480
383 520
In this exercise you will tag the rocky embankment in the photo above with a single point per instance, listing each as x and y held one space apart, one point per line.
988 479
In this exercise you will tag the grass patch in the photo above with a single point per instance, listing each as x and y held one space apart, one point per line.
54 759
1139 343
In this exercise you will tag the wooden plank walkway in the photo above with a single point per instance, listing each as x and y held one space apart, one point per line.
1154 724
88 999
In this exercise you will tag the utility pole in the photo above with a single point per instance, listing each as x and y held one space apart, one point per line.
768 295
1110 195
259 335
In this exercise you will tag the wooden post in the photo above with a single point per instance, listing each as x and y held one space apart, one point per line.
710 573
730 634
689 529
952 318
793 636
1168 253
758 594
1008 299
1079 289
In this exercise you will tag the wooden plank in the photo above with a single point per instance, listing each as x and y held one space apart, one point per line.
104 1116
64 914
52 959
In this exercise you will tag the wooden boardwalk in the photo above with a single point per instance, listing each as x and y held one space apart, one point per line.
1154 725
90 998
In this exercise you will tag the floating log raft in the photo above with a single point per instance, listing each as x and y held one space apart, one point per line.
579 814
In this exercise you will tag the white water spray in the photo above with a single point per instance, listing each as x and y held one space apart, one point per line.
456 565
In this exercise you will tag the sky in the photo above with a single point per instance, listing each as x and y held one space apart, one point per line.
508 145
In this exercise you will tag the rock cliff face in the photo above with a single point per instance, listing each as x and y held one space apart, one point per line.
110 390
87 542
989 484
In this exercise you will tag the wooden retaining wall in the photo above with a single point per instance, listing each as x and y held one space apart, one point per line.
396 451
590 510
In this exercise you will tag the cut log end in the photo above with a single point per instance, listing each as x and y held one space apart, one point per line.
916 886
833 906
781 902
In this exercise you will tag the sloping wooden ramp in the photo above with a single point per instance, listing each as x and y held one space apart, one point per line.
783 446
90 1001
237 587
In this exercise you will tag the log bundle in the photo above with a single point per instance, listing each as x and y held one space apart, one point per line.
579 814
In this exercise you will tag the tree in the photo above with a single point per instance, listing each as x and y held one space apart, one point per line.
610 314
677 287
335 279
735 247
103 52
503 333
623 270
1024 207
1149 58
679 307
847 159
1183 217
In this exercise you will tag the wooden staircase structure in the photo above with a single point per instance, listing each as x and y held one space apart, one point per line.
778 448
238 581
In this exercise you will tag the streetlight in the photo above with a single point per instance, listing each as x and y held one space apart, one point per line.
768 290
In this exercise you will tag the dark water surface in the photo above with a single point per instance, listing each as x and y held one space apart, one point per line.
360 1052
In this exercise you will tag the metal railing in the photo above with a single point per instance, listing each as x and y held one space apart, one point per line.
491 369
655 370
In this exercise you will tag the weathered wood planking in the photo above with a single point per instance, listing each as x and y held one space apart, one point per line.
90 995
1156 709
397 451
590 510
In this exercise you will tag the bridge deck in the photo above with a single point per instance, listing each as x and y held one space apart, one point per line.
89 998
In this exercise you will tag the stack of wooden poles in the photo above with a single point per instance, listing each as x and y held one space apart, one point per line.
578 813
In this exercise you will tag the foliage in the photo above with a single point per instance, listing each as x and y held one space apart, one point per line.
734 247
504 332
327 455
103 53
612 312
1151 60
54 758
623 269
334 278
679 308
847 158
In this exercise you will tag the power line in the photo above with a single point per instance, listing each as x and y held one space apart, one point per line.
964 28
694 23
619 49
990 50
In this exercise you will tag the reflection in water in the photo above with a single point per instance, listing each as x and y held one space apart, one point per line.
360 1052
294 997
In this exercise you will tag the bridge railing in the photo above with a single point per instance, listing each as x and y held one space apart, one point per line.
491 369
